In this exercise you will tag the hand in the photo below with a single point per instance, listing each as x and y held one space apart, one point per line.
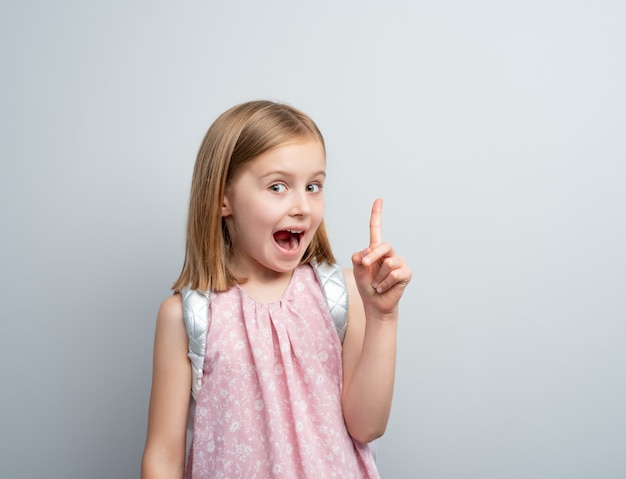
381 275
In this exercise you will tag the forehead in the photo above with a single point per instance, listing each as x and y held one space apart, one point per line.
299 156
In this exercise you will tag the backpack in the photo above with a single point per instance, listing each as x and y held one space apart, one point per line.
196 316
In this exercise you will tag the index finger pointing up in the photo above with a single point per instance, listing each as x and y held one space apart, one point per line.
375 223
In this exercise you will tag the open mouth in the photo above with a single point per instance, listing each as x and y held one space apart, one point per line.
287 239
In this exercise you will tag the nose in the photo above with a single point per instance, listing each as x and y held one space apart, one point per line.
300 204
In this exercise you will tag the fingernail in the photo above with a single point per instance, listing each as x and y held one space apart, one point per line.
375 285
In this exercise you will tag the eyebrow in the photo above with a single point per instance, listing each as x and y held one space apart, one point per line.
285 173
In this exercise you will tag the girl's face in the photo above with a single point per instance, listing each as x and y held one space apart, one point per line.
274 207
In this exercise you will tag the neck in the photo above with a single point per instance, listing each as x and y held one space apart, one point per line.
266 288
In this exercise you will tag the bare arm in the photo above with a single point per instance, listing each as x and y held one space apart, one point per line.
164 453
369 349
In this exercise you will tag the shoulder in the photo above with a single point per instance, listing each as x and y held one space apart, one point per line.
171 340
353 292
356 316
172 306
170 316
349 277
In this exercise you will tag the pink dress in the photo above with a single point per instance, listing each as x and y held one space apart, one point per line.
270 403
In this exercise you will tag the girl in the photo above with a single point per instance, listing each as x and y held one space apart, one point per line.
281 395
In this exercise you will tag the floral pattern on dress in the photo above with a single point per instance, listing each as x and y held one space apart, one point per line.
270 402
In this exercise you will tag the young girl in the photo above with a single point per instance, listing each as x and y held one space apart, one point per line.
282 396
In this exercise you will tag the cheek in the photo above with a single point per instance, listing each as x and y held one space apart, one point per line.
319 218
321 208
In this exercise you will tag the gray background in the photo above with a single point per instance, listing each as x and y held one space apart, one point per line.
493 130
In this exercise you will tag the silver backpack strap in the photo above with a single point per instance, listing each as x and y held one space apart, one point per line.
335 291
196 315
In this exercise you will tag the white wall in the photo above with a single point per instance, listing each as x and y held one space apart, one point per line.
494 131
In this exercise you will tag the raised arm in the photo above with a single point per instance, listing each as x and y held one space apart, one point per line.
369 349
164 454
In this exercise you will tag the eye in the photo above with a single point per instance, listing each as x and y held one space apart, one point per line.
314 188
278 187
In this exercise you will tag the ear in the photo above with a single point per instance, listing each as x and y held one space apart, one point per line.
226 209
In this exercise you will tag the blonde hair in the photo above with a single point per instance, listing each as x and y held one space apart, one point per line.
237 137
